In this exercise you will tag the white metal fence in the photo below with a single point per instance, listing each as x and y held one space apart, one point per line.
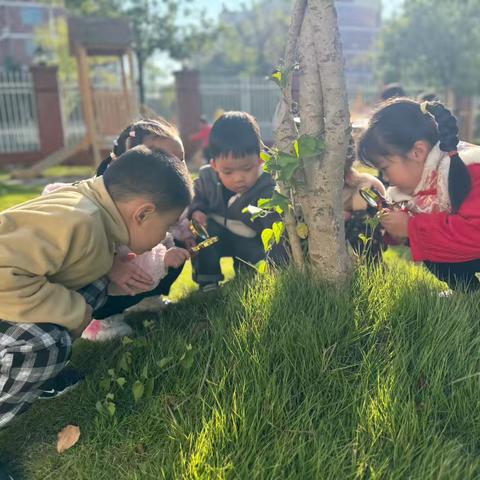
257 96
18 114
72 117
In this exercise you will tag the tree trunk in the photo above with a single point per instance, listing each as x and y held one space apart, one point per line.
324 109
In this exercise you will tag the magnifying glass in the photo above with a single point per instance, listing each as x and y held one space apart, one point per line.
201 233
374 198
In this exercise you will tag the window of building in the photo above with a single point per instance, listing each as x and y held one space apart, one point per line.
30 47
31 16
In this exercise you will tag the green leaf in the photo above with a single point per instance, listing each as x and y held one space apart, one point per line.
99 406
148 324
288 172
186 360
262 267
138 390
111 372
265 157
276 77
278 202
309 146
127 341
162 363
278 228
267 239
302 230
111 408
255 212
121 382
145 372
110 396
296 148
288 164
364 239
149 385
125 362
105 384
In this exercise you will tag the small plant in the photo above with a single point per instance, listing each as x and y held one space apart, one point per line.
284 167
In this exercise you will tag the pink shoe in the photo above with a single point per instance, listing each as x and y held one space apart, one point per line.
107 329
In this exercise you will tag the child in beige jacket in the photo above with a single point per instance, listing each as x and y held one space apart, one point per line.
54 248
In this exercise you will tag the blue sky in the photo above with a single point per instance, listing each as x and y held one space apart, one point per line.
214 6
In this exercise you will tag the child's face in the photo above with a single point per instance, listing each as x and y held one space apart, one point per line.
405 171
237 174
147 226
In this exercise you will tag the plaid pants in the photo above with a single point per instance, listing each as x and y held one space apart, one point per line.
32 353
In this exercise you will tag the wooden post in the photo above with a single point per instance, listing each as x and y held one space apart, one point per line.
87 102
189 108
49 112
126 92
133 87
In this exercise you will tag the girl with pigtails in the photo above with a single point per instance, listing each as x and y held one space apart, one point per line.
437 178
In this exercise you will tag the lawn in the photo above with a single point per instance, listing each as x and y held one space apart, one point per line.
275 377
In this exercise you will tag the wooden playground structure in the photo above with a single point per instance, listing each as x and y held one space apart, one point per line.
105 111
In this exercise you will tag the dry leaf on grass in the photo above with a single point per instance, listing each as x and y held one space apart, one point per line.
67 438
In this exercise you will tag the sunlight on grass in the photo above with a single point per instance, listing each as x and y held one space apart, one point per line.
286 378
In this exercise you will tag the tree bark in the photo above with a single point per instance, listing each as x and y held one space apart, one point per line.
284 125
324 108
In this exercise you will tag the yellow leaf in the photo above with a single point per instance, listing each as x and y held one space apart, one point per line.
302 230
67 438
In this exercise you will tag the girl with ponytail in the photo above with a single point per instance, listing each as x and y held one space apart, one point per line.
416 147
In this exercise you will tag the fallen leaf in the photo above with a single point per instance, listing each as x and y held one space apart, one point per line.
67 438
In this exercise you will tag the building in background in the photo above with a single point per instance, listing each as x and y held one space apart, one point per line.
359 23
18 21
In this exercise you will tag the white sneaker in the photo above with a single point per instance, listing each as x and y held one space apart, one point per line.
107 329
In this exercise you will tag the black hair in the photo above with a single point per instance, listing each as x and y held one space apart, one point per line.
398 124
392 90
235 133
135 134
160 177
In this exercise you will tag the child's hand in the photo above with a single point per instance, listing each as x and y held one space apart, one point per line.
86 320
395 223
176 257
201 218
128 276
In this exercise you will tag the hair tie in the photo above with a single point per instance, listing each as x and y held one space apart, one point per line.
132 133
113 156
453 153
424 108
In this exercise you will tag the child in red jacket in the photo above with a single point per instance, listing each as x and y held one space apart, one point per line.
416 147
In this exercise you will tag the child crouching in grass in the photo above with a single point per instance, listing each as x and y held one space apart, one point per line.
416 146
56 247
233 180
136 277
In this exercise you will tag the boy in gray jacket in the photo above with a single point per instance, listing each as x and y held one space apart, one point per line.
233 180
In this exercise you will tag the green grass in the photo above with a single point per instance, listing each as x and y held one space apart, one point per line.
275 377
285 379
11 195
